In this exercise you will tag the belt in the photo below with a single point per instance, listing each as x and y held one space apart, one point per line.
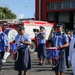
21 48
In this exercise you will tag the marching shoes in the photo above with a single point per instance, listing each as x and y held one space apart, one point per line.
6 54
43 63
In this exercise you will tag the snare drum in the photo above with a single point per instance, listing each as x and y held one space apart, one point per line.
13 47
52 52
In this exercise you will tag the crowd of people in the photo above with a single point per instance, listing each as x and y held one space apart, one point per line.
63 41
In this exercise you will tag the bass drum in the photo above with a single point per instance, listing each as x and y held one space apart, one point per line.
11 33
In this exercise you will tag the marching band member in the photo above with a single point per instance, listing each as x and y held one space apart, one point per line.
41 45
72 54
60 40
67 48
72 35
4 46
23 41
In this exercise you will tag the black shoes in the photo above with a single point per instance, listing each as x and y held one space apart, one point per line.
19 74
41 64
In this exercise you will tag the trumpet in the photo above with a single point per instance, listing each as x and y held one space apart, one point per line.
38 31
35 30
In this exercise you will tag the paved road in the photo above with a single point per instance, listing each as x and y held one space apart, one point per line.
8 68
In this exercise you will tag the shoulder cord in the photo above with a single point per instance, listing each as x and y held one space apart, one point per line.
59 56
57 38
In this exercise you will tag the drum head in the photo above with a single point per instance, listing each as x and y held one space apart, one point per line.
11 34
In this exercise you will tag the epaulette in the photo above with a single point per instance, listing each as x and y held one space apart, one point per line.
3 34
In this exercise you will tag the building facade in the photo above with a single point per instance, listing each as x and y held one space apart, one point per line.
56 11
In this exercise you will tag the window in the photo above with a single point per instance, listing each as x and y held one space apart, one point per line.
73 4
50 6
64 17
58 5
50 16
66 4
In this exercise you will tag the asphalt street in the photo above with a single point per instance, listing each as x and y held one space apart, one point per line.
8 68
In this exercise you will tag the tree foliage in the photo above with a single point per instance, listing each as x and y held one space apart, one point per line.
6 13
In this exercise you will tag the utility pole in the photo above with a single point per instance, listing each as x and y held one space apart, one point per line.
39 10
26 8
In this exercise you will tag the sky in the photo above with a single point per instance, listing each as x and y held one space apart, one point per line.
24 7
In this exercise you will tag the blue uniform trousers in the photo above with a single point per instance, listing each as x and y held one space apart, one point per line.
42 51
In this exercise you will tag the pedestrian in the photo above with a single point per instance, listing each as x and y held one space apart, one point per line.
4 46
23 40
71 57
41 50
60 40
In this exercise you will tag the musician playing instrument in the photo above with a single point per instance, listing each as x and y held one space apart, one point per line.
60 40
71 57
41 36
23 41
4 46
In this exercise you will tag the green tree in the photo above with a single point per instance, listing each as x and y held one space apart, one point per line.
6 13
